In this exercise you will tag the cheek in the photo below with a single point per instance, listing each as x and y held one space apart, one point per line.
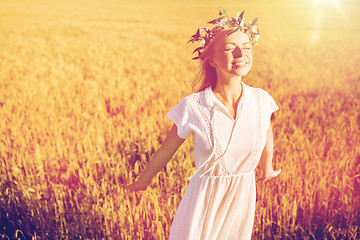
221 59
226 58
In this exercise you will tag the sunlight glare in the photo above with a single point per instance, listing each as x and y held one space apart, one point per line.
325 3
318 12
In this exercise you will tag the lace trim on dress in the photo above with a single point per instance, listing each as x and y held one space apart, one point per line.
217 167
249 163
215 162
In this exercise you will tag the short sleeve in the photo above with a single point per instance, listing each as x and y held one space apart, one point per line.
181 116
269 107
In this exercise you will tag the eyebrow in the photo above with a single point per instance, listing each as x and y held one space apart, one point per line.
245 43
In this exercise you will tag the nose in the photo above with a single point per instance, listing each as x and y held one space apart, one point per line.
237 53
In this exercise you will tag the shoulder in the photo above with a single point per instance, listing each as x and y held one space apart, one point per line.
259 92
256 90
194 98
187 103
189 100
266 100
262 97
198 100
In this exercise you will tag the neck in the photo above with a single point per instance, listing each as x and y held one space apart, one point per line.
228 90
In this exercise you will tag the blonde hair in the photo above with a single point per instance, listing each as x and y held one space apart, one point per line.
207 74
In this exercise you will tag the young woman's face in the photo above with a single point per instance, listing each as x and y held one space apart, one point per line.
232 54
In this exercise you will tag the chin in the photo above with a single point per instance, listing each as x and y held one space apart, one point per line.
242 72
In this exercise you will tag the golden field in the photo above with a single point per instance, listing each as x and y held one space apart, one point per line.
85 88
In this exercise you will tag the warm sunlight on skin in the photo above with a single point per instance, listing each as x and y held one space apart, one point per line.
85 87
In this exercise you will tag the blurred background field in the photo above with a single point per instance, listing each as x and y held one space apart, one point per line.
85 88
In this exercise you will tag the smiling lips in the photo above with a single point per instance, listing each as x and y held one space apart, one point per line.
239 64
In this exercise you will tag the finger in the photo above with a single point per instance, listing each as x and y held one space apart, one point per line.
126 187
264 179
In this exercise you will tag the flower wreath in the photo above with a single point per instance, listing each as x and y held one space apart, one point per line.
205 35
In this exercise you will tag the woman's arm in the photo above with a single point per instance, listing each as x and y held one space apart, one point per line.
267 156
159 160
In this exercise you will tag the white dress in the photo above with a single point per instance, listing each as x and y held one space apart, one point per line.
219 202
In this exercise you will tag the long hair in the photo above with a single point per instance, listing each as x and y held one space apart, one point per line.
207 74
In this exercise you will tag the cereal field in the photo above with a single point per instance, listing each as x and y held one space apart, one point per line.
85 88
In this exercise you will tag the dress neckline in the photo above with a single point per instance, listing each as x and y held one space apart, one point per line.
213 102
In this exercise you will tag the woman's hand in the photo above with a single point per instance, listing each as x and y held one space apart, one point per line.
161 157
265 163
270 174
136 186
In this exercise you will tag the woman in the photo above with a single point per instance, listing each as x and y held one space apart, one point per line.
230 124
